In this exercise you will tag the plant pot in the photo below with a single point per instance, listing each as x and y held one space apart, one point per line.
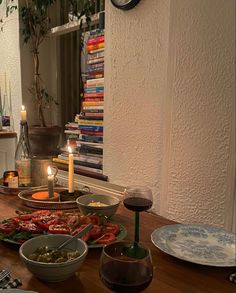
44 141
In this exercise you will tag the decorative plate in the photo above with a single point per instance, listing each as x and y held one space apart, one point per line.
201 244
26 197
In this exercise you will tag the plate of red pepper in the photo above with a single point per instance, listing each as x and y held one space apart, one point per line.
26 225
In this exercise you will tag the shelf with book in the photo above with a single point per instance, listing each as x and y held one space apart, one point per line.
85 133
73 25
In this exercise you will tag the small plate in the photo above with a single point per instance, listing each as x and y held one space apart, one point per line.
201 244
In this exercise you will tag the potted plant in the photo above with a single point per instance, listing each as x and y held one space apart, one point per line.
35 26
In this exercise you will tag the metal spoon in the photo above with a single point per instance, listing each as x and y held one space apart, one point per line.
78 235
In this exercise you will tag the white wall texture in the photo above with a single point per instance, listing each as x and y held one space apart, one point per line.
10 61
170 105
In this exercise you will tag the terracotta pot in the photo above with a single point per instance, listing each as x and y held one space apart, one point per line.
44 141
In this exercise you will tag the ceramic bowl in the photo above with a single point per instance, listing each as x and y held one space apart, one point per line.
53 272
111 201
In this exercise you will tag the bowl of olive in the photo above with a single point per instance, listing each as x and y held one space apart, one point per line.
46 262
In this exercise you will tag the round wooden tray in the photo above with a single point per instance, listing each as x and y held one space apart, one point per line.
26 197
15 191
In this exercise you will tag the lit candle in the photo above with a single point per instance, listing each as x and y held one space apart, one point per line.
50 182
71 171
23 113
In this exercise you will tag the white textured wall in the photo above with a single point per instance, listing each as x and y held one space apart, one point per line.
170 105
135 83
202 98
10 61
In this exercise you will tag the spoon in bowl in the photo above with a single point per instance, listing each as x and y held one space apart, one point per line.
85 230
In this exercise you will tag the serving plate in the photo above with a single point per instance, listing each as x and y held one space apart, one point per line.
119 237
201 244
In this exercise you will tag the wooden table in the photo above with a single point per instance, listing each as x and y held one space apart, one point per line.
170 274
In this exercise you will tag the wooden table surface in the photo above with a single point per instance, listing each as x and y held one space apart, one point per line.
170 274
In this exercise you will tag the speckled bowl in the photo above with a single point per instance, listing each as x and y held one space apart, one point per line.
108 211
53 272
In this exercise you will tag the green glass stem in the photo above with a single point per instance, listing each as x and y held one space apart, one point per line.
136 228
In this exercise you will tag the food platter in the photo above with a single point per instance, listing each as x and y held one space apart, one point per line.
19 229
119 237
201 244
26 197
15 191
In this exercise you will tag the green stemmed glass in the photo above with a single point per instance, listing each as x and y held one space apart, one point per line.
138 199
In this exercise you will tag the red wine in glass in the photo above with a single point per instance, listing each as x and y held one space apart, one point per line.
137 204
118 278
123 274
138 199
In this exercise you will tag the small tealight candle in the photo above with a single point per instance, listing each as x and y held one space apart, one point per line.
71 171
50 182
23 113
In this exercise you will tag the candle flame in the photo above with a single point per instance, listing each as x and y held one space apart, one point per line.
22 108
49 170
69 149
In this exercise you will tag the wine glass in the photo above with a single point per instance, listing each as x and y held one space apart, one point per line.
137 198
121 273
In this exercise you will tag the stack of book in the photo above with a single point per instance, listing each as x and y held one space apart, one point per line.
85 134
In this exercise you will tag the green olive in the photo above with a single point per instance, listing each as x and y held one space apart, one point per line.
52 255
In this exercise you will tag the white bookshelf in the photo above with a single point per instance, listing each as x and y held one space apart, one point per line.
72 26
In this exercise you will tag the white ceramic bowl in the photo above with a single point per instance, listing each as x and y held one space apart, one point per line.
53 272
109 210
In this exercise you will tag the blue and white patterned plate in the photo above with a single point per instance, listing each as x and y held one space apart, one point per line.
201 244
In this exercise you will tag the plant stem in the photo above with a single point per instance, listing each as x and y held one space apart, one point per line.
136 228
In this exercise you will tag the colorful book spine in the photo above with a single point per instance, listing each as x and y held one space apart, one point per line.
96 55
95 40
95 133
91 122
93 103
96 51
94 47
95 170
94 95
90 138
94 89
89 118
96 82
95 60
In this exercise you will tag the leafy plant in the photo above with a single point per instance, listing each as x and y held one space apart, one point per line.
36 24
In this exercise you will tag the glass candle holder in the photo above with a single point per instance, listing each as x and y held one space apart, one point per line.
11 179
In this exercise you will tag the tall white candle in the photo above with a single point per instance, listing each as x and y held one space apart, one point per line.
50 182
5 83
23 113
71 171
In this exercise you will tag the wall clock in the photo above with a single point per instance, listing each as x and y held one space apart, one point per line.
125 4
